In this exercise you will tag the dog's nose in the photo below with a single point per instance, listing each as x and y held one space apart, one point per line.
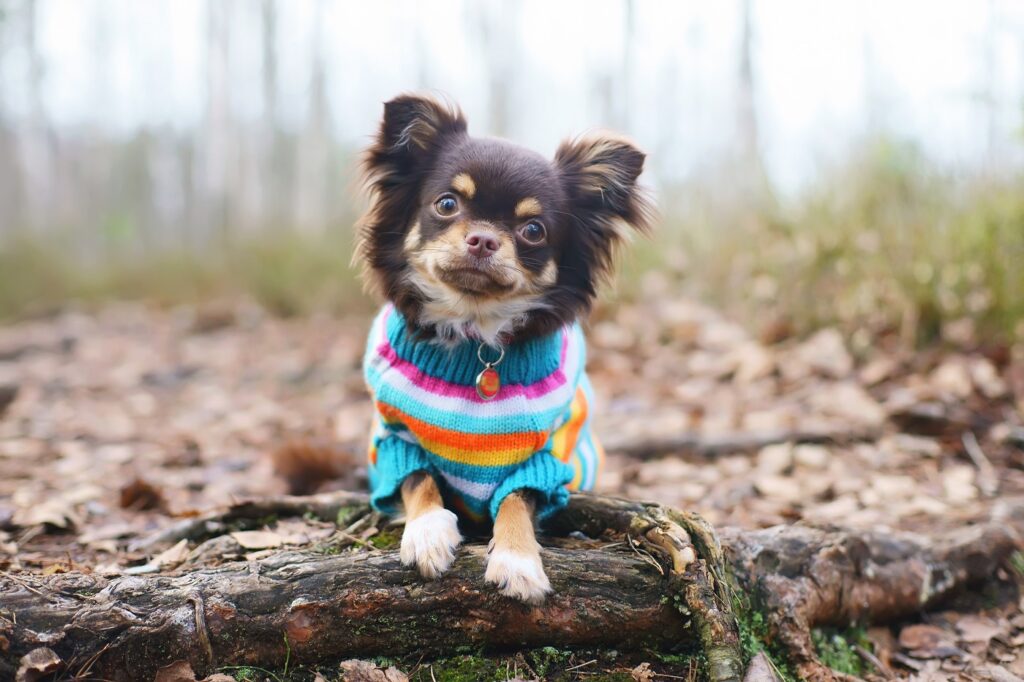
482 244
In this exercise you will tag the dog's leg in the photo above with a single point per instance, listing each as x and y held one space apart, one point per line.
431 532
513 561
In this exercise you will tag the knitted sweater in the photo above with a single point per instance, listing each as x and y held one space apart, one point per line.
534 434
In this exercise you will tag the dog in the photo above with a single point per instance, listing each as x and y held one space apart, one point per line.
488 255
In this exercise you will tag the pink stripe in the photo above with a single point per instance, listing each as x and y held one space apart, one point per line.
445 388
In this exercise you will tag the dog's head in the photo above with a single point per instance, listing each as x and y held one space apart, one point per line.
475 237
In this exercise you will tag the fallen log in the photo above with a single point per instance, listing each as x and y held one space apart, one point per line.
657 579
648 591
331 608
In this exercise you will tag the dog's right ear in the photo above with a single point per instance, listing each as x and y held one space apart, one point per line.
413 130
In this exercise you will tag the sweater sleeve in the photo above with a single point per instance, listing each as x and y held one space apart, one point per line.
393 460
542 474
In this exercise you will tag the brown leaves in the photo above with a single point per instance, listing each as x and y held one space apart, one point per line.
181 671
355 670
141 495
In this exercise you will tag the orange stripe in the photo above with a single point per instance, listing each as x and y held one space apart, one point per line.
468 448
565 439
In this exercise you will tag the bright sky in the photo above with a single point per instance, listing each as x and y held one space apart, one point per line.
825 71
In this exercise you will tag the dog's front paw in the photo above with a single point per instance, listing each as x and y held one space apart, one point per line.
518 575
430 541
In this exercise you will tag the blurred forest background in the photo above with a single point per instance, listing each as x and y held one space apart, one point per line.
827 327
857 164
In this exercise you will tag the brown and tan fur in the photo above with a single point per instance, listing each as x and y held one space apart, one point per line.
478 238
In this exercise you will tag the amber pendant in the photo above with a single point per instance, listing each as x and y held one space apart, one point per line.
488 383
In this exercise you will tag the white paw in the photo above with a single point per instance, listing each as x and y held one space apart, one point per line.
520 576
430 541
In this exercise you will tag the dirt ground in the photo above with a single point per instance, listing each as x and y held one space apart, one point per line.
116 423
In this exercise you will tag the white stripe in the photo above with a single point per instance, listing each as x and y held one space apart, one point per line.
589 456
519 404
481 491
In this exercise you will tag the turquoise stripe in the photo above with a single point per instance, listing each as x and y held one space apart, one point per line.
520 420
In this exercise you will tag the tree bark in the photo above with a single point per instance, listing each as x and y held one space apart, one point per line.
656 578
325 608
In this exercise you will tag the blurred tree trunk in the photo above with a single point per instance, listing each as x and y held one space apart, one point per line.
271 177
10 178
215 151
497 24
752 176
35 153
314 144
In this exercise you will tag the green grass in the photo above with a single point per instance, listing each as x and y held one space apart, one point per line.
287 274
882 243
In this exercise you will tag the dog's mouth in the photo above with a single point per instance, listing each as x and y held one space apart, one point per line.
473 280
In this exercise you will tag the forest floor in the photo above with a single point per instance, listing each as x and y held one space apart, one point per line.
117 423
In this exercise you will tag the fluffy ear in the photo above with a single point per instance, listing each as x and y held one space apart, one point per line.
413 131
414 128
599 174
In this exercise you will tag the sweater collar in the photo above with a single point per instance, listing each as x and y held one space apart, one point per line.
525 362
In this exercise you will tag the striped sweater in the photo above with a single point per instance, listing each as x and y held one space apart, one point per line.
534 434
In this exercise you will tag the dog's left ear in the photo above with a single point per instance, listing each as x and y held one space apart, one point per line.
600 174
412 133
413 130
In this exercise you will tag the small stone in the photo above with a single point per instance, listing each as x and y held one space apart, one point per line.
779 487
812 456
953 378
775 459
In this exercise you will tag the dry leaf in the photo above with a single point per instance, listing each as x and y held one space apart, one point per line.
179 671
257 539
978 629
761 670
38 664
141 495
642 673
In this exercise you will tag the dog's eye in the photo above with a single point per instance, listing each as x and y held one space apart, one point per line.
533 232
446 206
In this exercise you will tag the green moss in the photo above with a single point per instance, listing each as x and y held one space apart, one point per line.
755 635
543 660
836 649
386 539
462 669
347 515
1017 563
247 673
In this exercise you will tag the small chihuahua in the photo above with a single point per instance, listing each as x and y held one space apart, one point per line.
488 255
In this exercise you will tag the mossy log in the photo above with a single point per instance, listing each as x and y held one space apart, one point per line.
638 588
649 578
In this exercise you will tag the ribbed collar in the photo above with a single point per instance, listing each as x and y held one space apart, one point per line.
525 363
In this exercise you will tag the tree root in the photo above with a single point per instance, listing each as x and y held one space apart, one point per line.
801 577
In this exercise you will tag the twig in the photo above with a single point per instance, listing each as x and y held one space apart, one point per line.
875 661
27 585
646 556
580 665
707 447
200 615
988 482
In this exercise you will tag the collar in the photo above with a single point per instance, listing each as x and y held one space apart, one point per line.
525 362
